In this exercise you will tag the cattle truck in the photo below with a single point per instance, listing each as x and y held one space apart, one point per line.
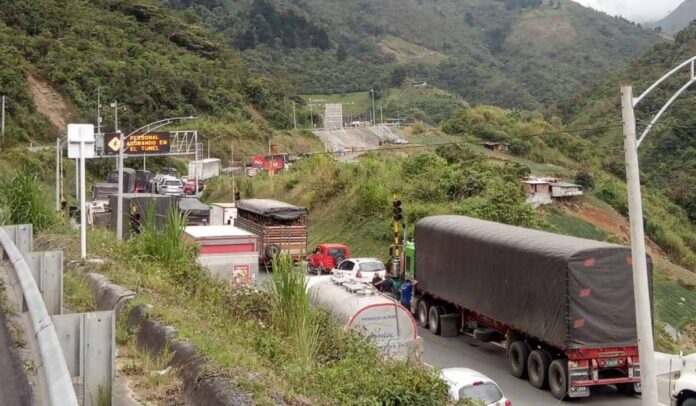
563 307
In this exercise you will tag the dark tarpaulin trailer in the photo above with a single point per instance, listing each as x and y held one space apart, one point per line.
566 291
272 209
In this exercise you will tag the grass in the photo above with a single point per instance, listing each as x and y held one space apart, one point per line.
239 330
574 226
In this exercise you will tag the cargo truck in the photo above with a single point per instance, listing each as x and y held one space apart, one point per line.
204 169
562 306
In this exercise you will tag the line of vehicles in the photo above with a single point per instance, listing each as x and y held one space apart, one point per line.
562 307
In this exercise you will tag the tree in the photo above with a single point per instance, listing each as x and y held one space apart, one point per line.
398 75
341 53
469 19
585 179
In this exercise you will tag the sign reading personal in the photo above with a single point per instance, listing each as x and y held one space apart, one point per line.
139 144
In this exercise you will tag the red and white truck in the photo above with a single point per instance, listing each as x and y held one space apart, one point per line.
563 306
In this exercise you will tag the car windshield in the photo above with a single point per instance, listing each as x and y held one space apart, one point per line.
371 267
486 393
337 251
173 183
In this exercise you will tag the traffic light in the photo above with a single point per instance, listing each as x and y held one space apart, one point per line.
398 213
237 196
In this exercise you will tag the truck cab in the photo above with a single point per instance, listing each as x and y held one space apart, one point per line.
325 257
683 390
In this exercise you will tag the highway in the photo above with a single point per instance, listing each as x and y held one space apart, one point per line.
464 351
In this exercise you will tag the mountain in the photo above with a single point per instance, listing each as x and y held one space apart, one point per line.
157 63
667 155
513 53
678 19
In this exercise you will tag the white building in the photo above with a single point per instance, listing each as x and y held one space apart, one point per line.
544 190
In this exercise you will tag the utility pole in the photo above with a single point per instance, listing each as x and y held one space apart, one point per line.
294 118
373 107
99 119
644 326
311 115
381 117
2 121
115 106
58 151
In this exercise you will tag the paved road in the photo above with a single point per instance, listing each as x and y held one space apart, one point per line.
464 351
14 387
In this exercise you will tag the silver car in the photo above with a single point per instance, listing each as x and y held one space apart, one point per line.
171 187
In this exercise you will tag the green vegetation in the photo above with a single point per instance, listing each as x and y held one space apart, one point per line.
509 53
156 63
574 226
247 333
22 202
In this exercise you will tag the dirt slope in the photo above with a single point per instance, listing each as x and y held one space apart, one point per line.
49 102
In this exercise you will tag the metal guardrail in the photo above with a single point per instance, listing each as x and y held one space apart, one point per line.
60 390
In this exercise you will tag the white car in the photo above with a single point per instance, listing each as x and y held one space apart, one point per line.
172 187
683 390
363 269
466 383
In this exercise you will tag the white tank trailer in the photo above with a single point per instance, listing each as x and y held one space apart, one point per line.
359 306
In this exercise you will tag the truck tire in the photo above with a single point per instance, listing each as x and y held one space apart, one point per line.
434 319
423 312
689 402
558 379
486 335
538 368
272 251
519 353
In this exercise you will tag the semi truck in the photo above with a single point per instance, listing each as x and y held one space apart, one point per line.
563 307
281 227
204 169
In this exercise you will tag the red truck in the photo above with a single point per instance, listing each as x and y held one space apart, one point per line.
275 162
563 306
326 257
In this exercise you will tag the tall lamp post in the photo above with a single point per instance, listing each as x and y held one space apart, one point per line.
374 120
146 128
635 208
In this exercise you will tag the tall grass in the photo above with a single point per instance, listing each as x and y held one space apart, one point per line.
21 201
292 314
163 241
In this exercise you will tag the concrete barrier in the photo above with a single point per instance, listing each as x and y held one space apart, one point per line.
200 387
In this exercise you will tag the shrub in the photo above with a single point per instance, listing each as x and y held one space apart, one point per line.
21 202
585 179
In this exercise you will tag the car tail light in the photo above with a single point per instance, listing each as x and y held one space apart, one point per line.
478 383
358 275
508 403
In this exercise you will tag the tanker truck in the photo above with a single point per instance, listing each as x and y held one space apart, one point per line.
563 307
360 307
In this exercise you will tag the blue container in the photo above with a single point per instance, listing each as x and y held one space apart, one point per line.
406 293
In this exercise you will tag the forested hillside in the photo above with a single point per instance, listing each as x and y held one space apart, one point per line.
667 155
155 62
678 19
513 53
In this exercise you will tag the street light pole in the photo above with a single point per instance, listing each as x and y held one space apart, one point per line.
648 371
641 289
119 200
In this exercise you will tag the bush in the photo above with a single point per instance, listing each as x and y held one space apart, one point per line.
520 147
585 179
22 202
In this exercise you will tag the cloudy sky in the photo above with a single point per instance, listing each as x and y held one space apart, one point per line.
636 10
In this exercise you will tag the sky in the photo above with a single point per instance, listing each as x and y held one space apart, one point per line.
635 10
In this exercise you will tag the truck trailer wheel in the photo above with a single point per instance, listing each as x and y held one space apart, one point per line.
538 368
434 318
519 353
558 379
423 312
